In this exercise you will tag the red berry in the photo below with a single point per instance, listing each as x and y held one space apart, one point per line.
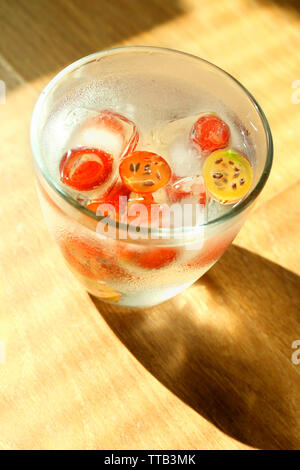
85 168
156 258
80 255
91 259
210 133
149 258
112 197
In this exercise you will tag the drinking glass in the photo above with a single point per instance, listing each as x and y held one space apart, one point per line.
148 85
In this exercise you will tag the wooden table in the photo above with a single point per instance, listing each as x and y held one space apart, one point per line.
210 369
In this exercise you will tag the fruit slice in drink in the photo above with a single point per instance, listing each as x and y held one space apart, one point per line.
148 258
90 259
144 172
85 168
115 197
228 175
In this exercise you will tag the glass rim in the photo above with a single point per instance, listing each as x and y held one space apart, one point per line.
235 209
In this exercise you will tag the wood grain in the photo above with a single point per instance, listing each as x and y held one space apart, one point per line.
209 369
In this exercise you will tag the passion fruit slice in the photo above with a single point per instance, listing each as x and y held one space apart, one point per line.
228 175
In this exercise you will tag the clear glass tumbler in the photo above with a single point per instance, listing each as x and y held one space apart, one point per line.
148 85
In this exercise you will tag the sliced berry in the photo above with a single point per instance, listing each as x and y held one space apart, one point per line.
144 172
127 206
150 258
117 197
156 258
228 176
210 133
91 260
85 168
80 255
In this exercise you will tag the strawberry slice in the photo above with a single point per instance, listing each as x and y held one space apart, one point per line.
85 168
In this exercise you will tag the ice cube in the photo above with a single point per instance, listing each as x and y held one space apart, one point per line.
165 133
190 188
108 131
173 143
183 158
101 138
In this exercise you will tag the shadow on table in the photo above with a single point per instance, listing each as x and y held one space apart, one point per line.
293 5
223 346
43 36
